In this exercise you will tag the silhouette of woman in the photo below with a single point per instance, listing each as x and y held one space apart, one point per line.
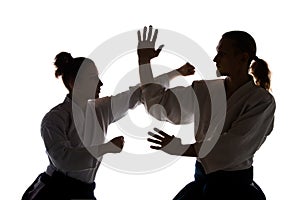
226 171
74 131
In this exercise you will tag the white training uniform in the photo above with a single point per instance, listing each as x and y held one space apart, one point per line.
244 120
68 132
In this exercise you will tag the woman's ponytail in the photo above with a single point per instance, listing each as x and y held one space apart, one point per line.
262 75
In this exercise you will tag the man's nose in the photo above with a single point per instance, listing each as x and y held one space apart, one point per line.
100 83
215 59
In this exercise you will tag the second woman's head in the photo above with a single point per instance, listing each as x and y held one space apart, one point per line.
79 75
236 53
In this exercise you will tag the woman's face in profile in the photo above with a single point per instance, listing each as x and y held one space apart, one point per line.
87 83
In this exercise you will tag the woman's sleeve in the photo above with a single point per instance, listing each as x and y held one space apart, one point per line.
175 105
113 108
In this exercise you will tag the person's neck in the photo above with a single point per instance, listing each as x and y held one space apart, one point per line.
81 102
232 83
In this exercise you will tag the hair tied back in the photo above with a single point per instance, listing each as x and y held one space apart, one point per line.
63 61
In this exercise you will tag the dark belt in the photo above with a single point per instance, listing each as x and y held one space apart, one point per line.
224 177
58 186
69 182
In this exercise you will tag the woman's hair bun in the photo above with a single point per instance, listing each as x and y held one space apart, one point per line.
63 60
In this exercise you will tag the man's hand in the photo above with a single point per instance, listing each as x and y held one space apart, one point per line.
186 69
169 144
146 45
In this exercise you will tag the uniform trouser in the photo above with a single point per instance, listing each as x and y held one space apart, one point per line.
223 185
60 187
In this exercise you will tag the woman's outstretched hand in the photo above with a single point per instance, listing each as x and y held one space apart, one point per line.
146 44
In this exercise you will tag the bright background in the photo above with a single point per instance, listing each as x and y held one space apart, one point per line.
33 32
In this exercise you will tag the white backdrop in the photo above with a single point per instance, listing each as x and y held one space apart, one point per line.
33 32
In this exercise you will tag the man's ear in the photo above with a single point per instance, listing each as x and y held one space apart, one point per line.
244 57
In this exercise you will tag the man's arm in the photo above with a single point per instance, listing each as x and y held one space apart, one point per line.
171 144
175 105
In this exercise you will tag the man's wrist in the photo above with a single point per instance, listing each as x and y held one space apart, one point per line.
143 60
178 70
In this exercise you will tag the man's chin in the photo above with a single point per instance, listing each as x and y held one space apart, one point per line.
218 73
96 95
